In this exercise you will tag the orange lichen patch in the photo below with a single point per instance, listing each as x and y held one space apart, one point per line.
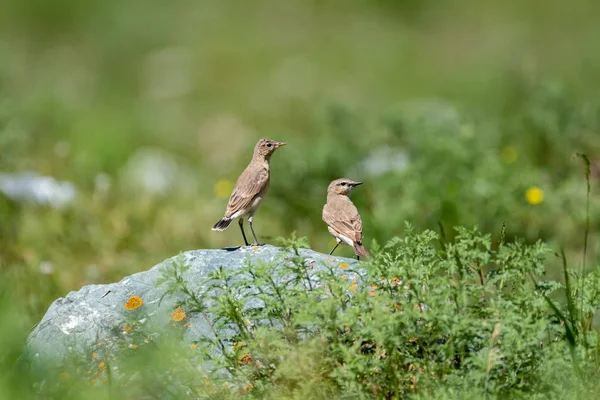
396 281
329 259
127 328
193 346
133 303
187 324
255 248
246 360
178 315
133 346
372 293
248 388
344 266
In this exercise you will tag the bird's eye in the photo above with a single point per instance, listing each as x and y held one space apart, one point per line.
343 183
269 145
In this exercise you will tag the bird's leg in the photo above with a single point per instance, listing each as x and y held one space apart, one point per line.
358 258
250 219
336 245
241 221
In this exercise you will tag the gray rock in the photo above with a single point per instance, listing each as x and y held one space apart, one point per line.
74 324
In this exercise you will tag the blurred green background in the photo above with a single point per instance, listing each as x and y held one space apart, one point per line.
459 112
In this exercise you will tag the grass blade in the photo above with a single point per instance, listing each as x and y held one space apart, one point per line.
570 303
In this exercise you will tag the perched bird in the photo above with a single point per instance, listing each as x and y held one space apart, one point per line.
250 188
341 216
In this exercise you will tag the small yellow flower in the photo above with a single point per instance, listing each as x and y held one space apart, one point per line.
133 346
178 315
344 266
373 286
372 293
193 346
412 340
133 303
353 286
344 276
101 365
509 154
248 387
223 188
534 195
127 328
187 324
396 281
397 307
94 354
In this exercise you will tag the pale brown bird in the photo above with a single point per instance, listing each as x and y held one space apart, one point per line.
250 188
341 216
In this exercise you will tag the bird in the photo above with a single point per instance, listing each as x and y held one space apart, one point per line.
342 218
250 188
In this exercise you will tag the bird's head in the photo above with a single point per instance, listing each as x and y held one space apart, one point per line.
342 186
265 147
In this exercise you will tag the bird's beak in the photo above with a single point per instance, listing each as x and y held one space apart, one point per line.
357 183
281 144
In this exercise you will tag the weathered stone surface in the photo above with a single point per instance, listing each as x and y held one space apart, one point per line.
74 323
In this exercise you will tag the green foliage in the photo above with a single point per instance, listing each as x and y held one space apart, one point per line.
448 119
416 321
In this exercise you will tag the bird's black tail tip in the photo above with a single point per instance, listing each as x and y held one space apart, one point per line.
360 250
222 224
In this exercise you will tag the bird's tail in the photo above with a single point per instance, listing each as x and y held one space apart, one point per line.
360 250
222 224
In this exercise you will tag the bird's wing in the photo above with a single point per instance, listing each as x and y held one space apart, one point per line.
342 217
252 182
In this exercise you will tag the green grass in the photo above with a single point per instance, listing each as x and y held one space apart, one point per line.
480 102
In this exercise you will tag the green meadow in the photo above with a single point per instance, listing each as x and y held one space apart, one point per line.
475 127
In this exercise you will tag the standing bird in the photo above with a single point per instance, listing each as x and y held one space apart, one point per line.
341 216
250 188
